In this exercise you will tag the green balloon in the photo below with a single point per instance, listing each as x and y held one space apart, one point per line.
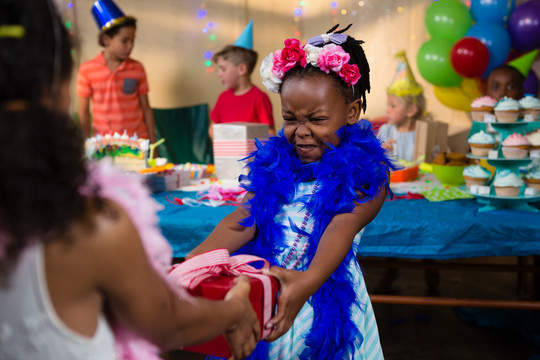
433 60
448 19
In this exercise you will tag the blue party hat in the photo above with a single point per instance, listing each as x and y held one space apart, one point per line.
108 15
245 39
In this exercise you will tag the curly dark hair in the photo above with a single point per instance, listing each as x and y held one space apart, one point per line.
42 162
43 170
32 66
354 48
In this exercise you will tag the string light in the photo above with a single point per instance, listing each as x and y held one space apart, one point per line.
208 30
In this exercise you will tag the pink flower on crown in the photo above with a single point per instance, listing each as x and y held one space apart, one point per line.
277 65
350 74
332 58
291 55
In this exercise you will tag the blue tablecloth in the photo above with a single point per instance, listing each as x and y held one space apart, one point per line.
414 229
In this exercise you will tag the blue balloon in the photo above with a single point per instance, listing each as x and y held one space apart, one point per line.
497 40
492 10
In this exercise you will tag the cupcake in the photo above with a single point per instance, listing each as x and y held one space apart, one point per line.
482 106
530 106
475 175
532 177
481 142
507 110
515 146
507 183
534 139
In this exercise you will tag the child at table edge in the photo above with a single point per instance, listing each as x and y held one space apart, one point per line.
405 105
242 101
319 183
125 83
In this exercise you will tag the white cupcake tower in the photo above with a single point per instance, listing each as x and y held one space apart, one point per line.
496 159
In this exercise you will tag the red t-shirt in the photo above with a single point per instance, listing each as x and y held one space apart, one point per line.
115 95
253 106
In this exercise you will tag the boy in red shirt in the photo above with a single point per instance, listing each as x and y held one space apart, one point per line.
114 82
242 101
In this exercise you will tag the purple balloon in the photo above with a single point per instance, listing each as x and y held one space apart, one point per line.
531 83
524 26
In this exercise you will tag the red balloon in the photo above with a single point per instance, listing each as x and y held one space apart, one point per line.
469 57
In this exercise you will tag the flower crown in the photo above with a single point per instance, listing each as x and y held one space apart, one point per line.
329 57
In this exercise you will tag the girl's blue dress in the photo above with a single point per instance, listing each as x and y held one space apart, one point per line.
291 345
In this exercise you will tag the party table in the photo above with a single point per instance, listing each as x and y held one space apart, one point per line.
404 228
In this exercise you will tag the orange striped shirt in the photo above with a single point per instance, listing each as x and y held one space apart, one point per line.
115 95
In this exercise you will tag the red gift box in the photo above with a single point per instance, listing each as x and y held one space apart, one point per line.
211 275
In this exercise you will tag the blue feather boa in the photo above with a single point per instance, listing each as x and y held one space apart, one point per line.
357 165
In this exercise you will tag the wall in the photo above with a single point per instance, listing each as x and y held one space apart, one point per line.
171 44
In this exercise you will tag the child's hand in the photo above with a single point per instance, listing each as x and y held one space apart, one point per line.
389 145
246 332
293 295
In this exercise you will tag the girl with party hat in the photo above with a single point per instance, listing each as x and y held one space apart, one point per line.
405 105
311 191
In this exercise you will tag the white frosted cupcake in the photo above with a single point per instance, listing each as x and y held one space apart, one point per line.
530 106
532 178
481 142
515 146
534 139
507 110
482 106
507 183
475 175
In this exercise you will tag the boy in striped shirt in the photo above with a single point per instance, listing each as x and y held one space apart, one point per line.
114 83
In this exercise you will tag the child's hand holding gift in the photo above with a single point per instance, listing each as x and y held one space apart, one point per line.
294 292
244 335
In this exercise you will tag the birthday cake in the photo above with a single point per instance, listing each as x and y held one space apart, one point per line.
128 153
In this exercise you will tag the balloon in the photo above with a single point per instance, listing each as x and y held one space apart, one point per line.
531 84
469 57
453 97
471 87
458 97
491 10
433 60
497 40
524 26
447 19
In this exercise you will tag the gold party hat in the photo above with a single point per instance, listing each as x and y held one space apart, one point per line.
404 82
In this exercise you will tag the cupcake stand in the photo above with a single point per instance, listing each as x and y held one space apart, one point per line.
523 200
